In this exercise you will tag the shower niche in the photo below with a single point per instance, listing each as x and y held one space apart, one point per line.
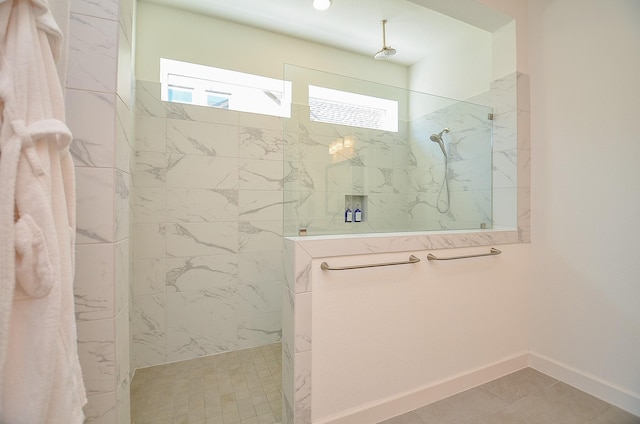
339 158
357 205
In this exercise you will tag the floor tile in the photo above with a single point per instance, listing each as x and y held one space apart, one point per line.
221 389
615 415
524 397
471 404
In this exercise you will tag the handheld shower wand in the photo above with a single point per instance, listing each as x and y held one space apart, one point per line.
437 138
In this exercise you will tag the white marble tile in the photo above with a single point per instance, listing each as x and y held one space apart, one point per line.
524 168
122 275
124 137
505 130
95 205
256 120
101 409
259 330
299 280
260 175
94 132
260 267
186 112
96 349
149 205
201 239
201 205
303 324
107 9
125 17
202 339
288 323
93 46
191 307
151 134
189 171
148 277
148 101
148 348
125 76
257 143
255 299
256 236
503 92
123 402
94 282
201 272
524 213
150 169
302 376
202 138
149 241
122 347
306 176
148 313
260 205
122 193
505 169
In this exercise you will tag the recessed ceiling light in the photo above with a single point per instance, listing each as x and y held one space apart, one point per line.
321 4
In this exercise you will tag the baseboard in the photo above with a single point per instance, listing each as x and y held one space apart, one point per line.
595 386
433 392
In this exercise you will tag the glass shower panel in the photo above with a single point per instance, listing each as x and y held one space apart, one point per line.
393 176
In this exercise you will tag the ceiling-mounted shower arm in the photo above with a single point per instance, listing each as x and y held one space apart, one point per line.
386 51
384 33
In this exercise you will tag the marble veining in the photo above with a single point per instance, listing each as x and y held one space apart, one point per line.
93 50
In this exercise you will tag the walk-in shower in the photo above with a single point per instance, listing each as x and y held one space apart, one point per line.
437 138
392 174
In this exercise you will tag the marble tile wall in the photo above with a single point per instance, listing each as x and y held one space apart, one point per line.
468 146
373 164
208 227
399 172
100 116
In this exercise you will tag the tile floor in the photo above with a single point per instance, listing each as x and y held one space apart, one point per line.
524 397
244 387
240 387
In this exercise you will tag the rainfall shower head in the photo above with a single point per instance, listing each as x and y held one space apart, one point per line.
386 51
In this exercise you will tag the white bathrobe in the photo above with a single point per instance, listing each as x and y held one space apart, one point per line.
40 375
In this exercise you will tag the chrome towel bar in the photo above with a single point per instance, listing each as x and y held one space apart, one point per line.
492 252
325 266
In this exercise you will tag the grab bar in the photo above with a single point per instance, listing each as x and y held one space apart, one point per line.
325 266
493 252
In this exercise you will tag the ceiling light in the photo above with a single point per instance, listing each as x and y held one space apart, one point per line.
321 4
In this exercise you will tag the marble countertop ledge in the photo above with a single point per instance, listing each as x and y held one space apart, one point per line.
359 244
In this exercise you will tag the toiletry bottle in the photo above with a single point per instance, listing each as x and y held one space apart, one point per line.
348 215
357 214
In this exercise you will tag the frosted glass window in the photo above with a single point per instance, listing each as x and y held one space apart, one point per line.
356 110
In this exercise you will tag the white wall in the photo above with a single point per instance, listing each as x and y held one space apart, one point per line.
179 35
457 71
585 291
383 333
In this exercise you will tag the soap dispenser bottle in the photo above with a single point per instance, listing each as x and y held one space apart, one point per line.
348 215
357 214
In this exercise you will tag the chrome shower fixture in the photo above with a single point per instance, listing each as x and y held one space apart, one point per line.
437 138
386 51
